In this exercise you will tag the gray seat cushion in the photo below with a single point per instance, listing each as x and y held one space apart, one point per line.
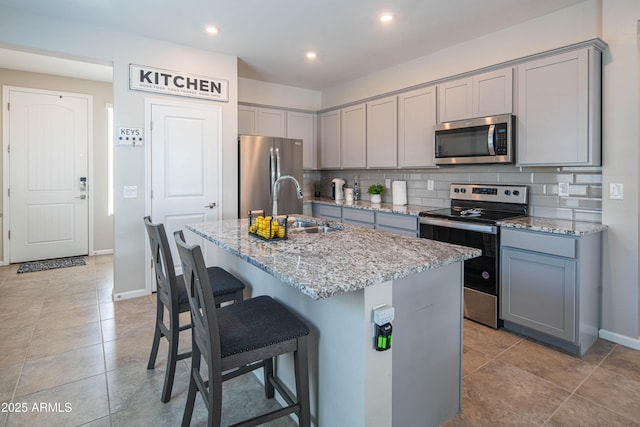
256 323
222 282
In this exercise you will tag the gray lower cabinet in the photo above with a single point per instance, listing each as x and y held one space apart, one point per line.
385 221
550 287
397 223
331 213
361 217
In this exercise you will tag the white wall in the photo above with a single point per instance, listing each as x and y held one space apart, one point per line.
615 22
565 27
620 315
276 95
69 39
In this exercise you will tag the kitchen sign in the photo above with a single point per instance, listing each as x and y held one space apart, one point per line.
157 80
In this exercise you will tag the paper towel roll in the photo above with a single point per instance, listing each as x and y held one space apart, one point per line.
399 192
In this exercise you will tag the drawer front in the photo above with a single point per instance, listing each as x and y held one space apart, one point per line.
539 242
404 231
407 222
359 215
326 211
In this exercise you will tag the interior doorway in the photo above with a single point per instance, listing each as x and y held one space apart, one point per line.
183 168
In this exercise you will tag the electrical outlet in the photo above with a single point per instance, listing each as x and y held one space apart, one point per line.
387 183
430 184
616 191
563 189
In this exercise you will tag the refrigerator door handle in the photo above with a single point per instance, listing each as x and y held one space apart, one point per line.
278 162
272 170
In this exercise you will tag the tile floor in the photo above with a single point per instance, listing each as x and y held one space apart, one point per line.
71 356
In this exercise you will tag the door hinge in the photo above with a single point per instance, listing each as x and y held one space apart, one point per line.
151 125
8 192
9 148
8 106
152 194
9 234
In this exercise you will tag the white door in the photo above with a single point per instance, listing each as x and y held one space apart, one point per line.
184 167
48 142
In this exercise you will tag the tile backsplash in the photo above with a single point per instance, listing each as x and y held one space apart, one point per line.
584 202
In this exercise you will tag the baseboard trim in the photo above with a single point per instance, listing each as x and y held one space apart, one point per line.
103 252
624 340
128 295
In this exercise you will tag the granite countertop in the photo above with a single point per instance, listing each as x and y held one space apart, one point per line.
554 226
322 265
366 205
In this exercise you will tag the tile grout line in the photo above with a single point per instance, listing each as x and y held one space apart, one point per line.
24 360
104 353
584 380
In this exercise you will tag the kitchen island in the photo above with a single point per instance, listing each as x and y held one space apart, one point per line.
333 280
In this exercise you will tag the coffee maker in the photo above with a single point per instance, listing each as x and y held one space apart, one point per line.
337 189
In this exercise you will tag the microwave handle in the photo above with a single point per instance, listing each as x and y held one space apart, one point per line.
490 140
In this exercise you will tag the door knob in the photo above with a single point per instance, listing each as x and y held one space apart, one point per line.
82 197
210 205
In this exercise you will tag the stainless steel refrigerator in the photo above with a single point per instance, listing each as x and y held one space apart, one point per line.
261 161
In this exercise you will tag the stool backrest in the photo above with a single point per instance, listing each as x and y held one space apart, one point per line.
163 262
204 322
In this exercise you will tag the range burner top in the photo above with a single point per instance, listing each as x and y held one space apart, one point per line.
483 203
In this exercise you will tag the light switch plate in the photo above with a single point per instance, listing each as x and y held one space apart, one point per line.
430 184
616 191
130 192
387 183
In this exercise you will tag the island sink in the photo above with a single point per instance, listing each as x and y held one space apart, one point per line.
310 227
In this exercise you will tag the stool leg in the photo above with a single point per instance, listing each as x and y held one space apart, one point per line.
172 359
156 336
215 396
191 400
268 374
302 382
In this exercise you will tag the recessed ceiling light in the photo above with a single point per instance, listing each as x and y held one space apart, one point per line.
386 17
311 55
212 30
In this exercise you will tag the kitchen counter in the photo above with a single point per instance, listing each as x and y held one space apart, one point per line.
334 281
381 207
554 226
322 265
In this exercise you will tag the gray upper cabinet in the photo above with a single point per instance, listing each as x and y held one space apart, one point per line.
303 126
353 153
330 139
492 93
272 122
416 119
484 94
247 120
382 133
455 100
559 104
261 121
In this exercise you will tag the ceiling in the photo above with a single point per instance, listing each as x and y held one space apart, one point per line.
270 37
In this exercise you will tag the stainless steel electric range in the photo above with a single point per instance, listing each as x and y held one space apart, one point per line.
471 221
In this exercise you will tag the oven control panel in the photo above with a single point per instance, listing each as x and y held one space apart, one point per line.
490 193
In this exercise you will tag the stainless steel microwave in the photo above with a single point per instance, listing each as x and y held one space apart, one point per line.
481 140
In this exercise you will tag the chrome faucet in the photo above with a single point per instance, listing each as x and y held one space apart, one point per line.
276 189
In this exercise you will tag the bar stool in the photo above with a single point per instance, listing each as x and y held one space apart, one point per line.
171 293
237 339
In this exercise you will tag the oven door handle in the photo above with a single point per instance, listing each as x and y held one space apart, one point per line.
489 229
